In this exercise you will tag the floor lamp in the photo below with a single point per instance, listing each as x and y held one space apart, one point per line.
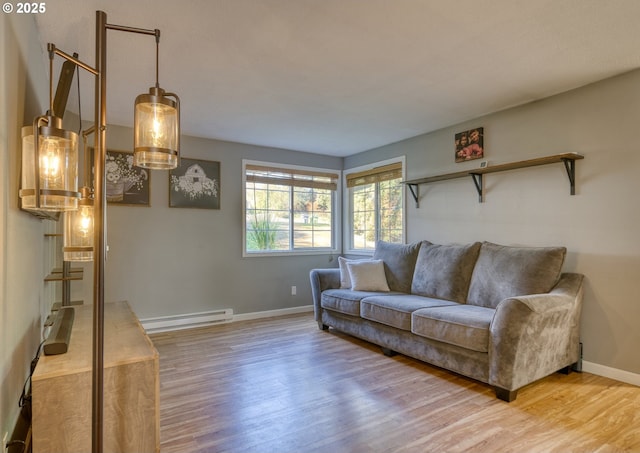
156 146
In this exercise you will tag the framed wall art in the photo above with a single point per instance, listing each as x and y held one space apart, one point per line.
195 184
126 184
469 144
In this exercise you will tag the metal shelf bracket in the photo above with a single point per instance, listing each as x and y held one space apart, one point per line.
570 166
415 192
477 180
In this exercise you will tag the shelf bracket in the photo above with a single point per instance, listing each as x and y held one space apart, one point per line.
570 166
477 180
415 192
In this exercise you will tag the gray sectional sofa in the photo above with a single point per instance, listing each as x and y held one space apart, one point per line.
503 315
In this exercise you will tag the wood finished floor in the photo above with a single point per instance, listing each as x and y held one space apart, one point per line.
281 385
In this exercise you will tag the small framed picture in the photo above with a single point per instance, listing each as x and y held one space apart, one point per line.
125 184
195 184
469 145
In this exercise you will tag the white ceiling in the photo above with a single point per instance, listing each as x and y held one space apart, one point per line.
338 77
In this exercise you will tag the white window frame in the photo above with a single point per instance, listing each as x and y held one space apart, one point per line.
346 202
336 228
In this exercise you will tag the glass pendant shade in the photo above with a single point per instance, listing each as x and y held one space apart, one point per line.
78 232
156 130
50 172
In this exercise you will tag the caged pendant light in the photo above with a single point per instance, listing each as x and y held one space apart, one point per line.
49 161
78 225
156 126
78 231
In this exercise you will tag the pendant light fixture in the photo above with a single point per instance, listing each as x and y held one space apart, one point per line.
78 230
78 225
156 126
49 161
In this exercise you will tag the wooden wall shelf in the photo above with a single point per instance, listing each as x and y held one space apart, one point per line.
65 274
57 275
477 173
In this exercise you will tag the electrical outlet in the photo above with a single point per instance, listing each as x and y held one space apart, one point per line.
294 290
5 439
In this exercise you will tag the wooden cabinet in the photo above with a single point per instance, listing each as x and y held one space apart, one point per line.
61 388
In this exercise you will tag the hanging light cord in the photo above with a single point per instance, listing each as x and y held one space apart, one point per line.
50 48
157 57
79 103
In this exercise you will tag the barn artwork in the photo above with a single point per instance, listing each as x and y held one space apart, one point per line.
195 184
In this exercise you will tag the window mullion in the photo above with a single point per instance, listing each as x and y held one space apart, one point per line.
291 215
377 208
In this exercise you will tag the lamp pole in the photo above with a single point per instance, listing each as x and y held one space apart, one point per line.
99 243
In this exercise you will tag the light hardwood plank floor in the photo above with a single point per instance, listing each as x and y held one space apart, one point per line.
281 385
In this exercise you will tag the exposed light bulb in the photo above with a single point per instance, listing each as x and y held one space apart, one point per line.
85 223
50 164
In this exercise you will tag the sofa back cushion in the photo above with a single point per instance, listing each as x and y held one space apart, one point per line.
504 271
399 263
444 271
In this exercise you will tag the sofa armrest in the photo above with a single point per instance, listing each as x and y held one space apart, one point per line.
322 279
535 335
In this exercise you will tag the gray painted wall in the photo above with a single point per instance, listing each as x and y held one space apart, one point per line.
599 225
24 299
168 261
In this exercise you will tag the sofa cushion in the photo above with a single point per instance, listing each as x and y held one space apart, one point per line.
444 271
399 263
367 276
396 310
345 279
344 300
504 271
461 325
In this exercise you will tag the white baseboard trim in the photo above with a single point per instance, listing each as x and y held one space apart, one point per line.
273 313
186 321
202 319
612 373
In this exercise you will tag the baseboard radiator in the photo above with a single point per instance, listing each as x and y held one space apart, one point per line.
187 321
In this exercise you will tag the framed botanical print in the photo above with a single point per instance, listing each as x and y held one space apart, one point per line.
126 184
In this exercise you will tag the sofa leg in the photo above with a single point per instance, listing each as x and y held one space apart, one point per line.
322 326
506 395
389 352
566 370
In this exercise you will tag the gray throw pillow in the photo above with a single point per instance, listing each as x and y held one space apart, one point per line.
444 271
504 271
399 263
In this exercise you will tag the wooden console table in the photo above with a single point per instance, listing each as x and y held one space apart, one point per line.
61 388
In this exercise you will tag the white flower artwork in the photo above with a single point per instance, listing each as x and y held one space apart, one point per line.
125 184
195 184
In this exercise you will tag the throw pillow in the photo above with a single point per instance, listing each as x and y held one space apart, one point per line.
367 276
399 263
504 271
345 279
444 271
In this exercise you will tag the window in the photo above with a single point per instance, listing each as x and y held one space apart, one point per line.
375 202
289 209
